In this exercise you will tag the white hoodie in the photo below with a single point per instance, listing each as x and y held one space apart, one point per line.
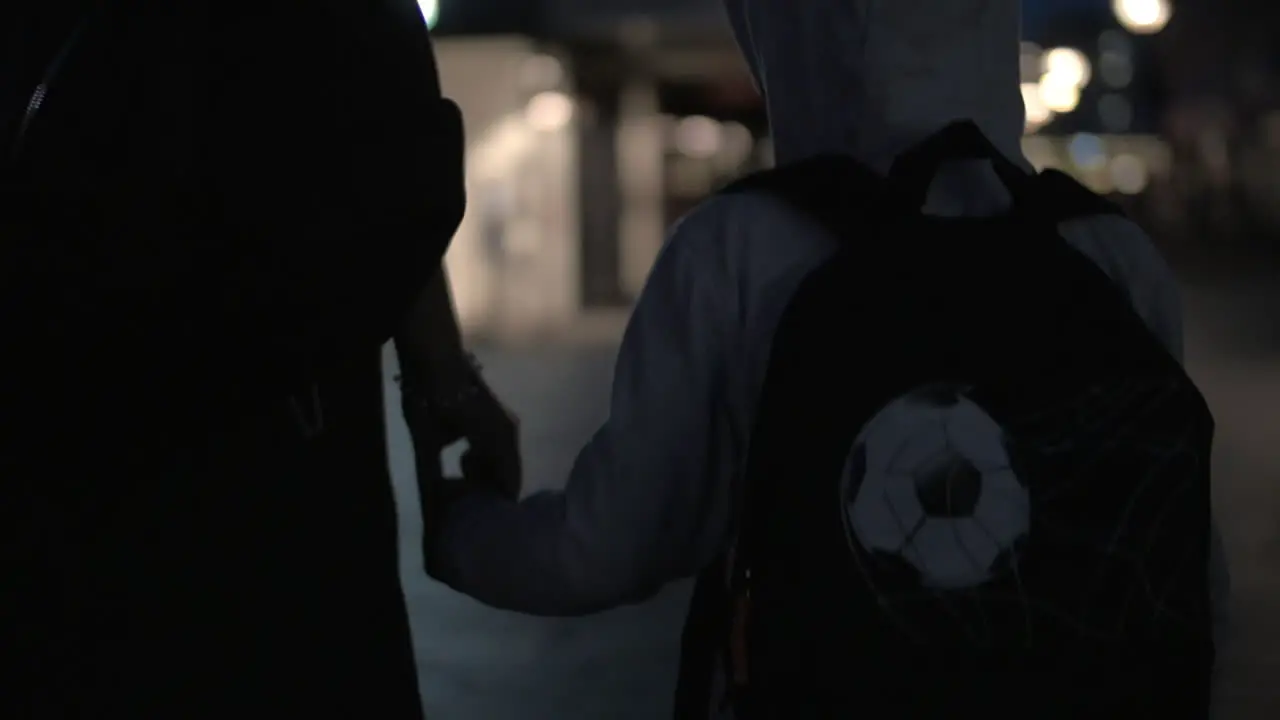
648 500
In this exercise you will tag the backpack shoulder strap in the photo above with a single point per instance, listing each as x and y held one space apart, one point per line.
847 197
1064 198
1051 196
842 194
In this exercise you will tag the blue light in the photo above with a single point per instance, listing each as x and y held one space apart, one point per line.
1087 151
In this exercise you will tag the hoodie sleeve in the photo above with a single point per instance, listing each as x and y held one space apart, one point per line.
647 501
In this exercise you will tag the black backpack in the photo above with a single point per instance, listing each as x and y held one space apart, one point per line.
977 484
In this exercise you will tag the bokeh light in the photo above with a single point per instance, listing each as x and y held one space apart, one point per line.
1060 97
1143 17
430 11
1038 114
549 111
1067 66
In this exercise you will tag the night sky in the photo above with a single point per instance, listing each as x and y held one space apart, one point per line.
487 15
1038 13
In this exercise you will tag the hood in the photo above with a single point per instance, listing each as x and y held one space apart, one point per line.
870 78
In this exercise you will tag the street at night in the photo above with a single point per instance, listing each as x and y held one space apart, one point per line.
475 662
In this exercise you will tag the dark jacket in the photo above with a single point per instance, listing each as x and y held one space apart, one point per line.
219 214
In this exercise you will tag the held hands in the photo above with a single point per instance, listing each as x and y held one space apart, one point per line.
445 399
462 406
492 461
443 405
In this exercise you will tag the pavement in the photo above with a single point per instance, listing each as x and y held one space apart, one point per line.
476 662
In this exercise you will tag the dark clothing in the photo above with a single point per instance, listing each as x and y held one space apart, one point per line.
218 215
970 557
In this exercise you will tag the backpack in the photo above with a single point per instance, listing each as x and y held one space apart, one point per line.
977 483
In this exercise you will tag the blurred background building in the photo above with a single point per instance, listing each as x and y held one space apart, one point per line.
594 124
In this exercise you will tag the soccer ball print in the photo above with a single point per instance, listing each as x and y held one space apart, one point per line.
929 481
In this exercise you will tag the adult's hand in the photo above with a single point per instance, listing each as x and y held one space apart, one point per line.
492 461
468 409
491 465
446 398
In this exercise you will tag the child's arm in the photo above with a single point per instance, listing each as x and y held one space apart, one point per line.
647 501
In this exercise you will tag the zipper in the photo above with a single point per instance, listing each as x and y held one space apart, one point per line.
38 96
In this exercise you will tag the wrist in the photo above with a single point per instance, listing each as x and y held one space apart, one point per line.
452 374
446 384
